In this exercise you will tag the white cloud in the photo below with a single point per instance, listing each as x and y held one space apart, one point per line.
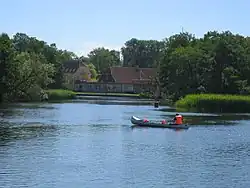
87 47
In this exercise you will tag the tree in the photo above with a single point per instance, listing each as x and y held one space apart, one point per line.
218 63
30 72
24 43
142 53
6 55
28 65
214 63
92 71
103 58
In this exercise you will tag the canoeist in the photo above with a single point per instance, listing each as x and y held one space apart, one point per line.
178 119
164 122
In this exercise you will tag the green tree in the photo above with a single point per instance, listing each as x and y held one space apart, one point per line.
92 71
28 65
214 63
142 53
24 43
6 57
103 58
218 63
30 73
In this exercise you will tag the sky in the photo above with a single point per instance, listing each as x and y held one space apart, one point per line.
81 25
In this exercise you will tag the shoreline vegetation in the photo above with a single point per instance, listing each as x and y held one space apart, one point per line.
210 73
209 103
61 94
216 103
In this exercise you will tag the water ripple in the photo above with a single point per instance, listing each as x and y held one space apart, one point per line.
92 145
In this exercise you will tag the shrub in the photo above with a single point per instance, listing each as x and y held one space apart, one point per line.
215 103
145 95
60 94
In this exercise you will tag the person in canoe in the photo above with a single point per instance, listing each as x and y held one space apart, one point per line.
178 119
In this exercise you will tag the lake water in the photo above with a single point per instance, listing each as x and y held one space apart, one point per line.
89 143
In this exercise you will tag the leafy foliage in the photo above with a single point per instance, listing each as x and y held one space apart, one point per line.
28 65
103 58
60 94
6 55
217 63
142 53
92 71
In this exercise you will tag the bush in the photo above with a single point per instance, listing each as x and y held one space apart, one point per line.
145 95
215 103
60 94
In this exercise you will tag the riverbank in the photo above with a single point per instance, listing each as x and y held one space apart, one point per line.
214 103
60 94
131 95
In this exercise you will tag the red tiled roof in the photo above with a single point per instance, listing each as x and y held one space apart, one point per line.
132 74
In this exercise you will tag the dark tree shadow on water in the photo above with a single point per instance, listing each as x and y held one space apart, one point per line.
11 132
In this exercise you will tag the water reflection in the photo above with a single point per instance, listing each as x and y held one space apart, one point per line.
27 120
10 132
80 143
134 127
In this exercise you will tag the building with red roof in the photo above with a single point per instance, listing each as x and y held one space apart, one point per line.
121 80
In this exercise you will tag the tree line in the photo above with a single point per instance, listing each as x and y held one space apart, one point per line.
218 62
29 65
215 63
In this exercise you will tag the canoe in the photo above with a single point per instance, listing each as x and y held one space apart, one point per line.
140 123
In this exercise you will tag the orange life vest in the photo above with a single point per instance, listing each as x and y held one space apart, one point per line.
179 119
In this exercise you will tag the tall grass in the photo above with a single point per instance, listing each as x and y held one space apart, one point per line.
215 103
145 95
60 94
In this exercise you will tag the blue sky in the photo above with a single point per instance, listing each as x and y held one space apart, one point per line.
81 25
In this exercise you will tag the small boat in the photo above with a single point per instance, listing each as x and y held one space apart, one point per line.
142 123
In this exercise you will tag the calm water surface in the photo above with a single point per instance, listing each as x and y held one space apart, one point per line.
90 144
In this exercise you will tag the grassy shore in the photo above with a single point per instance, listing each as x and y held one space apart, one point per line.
214 103
60 94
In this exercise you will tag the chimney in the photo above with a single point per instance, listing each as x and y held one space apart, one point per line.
140 74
